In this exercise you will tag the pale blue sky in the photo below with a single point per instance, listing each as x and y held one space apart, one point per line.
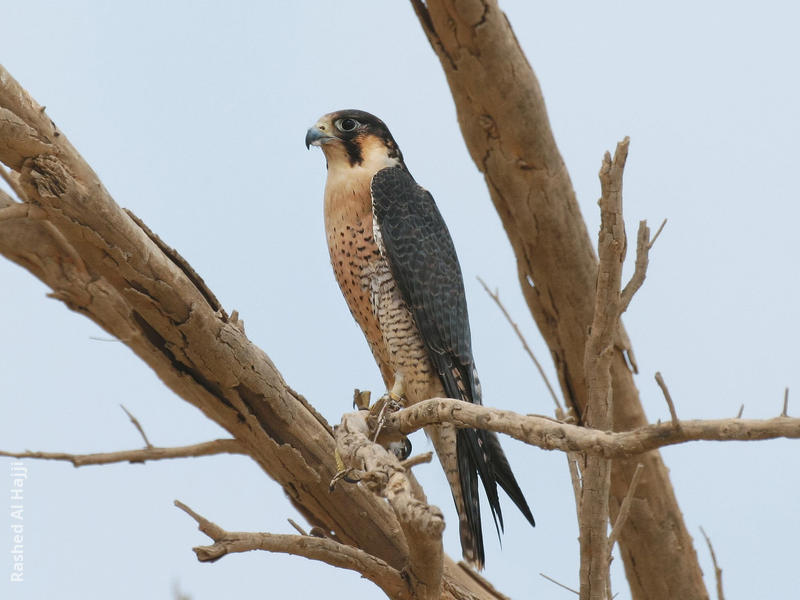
194 113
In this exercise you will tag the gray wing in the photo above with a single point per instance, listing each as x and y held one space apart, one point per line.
424 264
425 267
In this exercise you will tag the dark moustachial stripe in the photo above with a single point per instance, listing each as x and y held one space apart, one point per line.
353 148
370 125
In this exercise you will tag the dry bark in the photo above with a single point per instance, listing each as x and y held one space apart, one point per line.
550 434
105 264
504 122
140 455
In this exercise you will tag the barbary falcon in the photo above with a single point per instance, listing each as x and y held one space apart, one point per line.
397 267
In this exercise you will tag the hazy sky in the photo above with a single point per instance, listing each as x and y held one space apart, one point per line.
194 113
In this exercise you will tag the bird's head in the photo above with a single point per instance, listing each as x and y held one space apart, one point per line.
354 138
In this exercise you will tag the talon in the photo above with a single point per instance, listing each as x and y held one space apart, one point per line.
345 475
348 478
342 471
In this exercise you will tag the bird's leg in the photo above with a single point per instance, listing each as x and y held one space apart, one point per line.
392 401
343 472
394 398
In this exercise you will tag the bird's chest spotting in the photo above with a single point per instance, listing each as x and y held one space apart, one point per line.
353 251
366 281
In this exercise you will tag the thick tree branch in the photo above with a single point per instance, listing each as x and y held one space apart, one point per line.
106 265
140 455
101 263
504 123
390 580
422 524
608 307
549 434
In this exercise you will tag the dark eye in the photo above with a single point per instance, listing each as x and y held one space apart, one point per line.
346 124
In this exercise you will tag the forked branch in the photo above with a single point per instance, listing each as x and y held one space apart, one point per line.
390 580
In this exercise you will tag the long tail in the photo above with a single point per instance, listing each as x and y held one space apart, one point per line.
480 455
473 454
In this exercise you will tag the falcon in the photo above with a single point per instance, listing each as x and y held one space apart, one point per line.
396 265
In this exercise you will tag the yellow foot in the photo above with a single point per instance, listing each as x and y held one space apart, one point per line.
342 472
392 401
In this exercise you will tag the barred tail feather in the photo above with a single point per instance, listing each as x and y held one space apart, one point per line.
480 455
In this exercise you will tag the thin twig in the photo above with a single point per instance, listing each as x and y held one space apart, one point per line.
640 266
673 414
297 527
658 233
419 459
717 570
550 579
741 410
574 469
575 477
785 411
624 509
223 446
496 297
138 426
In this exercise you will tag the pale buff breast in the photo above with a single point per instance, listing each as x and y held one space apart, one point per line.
366 281
354 253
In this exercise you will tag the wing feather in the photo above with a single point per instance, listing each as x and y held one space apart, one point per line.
424 264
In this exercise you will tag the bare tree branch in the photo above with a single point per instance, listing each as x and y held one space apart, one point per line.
422 524
624 509
608 307
643 245
717 569
549 434
419 459
672 412
297 527
504 122
559 584
104 263
390 580
496 297
140 455
99 261
138 426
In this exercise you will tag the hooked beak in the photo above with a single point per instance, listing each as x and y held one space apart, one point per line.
316 137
